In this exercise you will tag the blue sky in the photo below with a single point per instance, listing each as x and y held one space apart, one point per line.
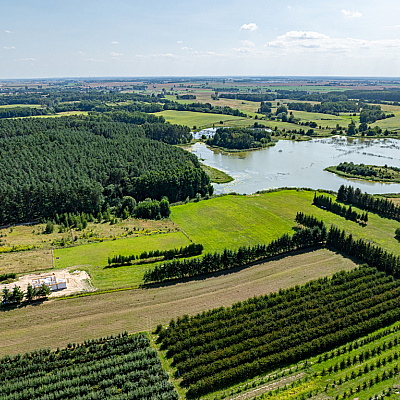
89 38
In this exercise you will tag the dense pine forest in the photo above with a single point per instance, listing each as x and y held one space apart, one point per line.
89 164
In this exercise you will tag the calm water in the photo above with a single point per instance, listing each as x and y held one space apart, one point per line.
301 164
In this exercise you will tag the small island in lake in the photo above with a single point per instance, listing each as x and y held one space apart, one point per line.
382 173
238 138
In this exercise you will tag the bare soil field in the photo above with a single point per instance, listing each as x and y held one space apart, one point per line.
59 322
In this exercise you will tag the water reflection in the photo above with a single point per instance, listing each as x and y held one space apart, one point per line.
301 164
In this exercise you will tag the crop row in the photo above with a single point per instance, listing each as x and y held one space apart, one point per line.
317 321
120 368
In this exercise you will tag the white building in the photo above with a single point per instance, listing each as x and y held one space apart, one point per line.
51 281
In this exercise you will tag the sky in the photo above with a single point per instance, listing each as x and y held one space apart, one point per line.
142 38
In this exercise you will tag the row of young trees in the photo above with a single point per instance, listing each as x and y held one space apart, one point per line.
366 201
327 203
124 367
186 251
16 295
203 108
364 251
308 220
222 347
212 262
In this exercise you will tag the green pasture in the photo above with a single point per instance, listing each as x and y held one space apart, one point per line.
237 220
197 119
391 124
94 257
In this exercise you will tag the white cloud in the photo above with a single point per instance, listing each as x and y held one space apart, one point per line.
179 41
93 60
7 31
9 47
115 42
114 54
160 55
351 14
249 27
308 41
247 43
303 35
28 59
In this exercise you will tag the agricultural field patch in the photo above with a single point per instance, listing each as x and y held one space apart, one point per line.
349 371
94 257
197 119
114 367
26 261
143 309
225 346
237 220
34 235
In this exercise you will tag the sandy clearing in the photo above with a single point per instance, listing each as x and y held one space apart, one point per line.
77 281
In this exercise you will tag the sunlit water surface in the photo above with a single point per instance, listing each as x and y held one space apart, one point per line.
301 164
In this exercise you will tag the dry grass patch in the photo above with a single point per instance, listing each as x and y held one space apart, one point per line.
26 261
56 323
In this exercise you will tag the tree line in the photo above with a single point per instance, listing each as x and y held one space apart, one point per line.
328 204
212 262
382 206
327 107
375 256
185 251
356 169
203 108
257 97
16 295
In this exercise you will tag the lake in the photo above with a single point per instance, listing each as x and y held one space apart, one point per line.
301 164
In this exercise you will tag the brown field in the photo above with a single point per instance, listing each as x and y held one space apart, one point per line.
34 234
58 322
396 200
23 262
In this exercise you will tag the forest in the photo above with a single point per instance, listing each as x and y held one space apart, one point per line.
240 138
77 165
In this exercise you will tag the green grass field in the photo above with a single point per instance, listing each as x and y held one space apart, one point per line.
236 220
94 257
197 119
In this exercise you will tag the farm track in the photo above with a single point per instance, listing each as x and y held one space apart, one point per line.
56 323
258 391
